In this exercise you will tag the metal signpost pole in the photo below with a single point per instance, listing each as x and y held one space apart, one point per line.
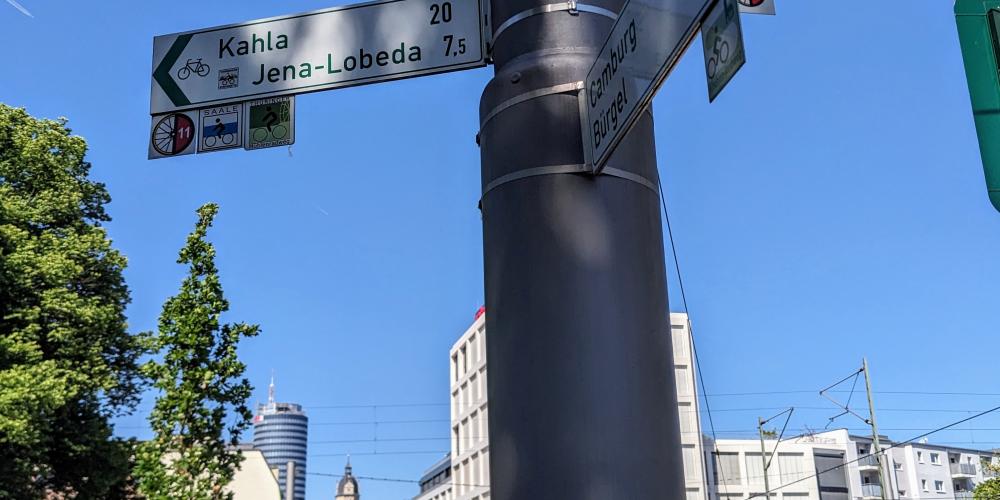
581 389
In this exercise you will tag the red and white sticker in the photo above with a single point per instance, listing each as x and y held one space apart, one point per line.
172 134
757 7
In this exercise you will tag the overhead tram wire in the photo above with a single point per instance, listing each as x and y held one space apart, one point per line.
717 410
884 450
391 479
694 348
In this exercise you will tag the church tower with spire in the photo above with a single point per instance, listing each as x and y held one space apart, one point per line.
347 488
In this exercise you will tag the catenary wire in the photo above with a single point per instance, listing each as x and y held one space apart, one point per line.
694 348
393 480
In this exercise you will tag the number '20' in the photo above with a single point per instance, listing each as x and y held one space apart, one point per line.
441 13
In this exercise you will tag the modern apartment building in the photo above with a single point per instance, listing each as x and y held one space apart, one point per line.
280 431
836 465
923 470
465 473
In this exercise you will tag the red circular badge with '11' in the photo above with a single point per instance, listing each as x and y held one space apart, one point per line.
173 134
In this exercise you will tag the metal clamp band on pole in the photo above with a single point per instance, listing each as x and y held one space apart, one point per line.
571 6
629 176
577 168
527 96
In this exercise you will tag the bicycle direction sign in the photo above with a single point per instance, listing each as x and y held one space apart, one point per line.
270 122
326 49
645 43
722 39
172 134
220 128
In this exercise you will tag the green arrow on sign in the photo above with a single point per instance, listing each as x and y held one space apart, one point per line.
162 73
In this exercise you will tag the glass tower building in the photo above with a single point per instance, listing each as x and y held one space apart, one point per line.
279 432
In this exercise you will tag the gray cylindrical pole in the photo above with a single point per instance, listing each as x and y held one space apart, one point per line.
581 379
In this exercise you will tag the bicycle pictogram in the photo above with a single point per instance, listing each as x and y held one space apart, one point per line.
193 65
219 135
272 124
229 78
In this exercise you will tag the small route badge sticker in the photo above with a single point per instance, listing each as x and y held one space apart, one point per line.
270 123
219 128
172 134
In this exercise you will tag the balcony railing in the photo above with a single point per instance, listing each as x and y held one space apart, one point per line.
963 469
871 490
868 461
963 495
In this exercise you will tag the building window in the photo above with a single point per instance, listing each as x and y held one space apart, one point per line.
920 458
939 486
678 344
791 466
691 465
687 416
755 468
923 484
935 459
683 384
727 468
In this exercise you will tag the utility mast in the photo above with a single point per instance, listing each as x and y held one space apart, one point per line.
761 422
876 446
876 450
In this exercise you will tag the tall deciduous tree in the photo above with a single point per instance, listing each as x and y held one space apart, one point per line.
67 362
202 408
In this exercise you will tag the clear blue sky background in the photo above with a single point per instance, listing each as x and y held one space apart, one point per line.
829 205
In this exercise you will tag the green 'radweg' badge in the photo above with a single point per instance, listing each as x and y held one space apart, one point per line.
270 122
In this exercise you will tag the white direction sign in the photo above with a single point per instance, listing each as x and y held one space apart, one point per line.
722 39
645 44
320 50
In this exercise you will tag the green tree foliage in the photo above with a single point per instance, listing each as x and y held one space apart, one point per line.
203 392
67 363
989 489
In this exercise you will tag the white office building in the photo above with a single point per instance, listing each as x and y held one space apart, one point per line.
465 473
836 465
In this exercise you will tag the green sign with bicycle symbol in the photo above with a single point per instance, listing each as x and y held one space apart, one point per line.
722 38
270 122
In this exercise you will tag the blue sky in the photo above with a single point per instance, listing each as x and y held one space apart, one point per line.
829 205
